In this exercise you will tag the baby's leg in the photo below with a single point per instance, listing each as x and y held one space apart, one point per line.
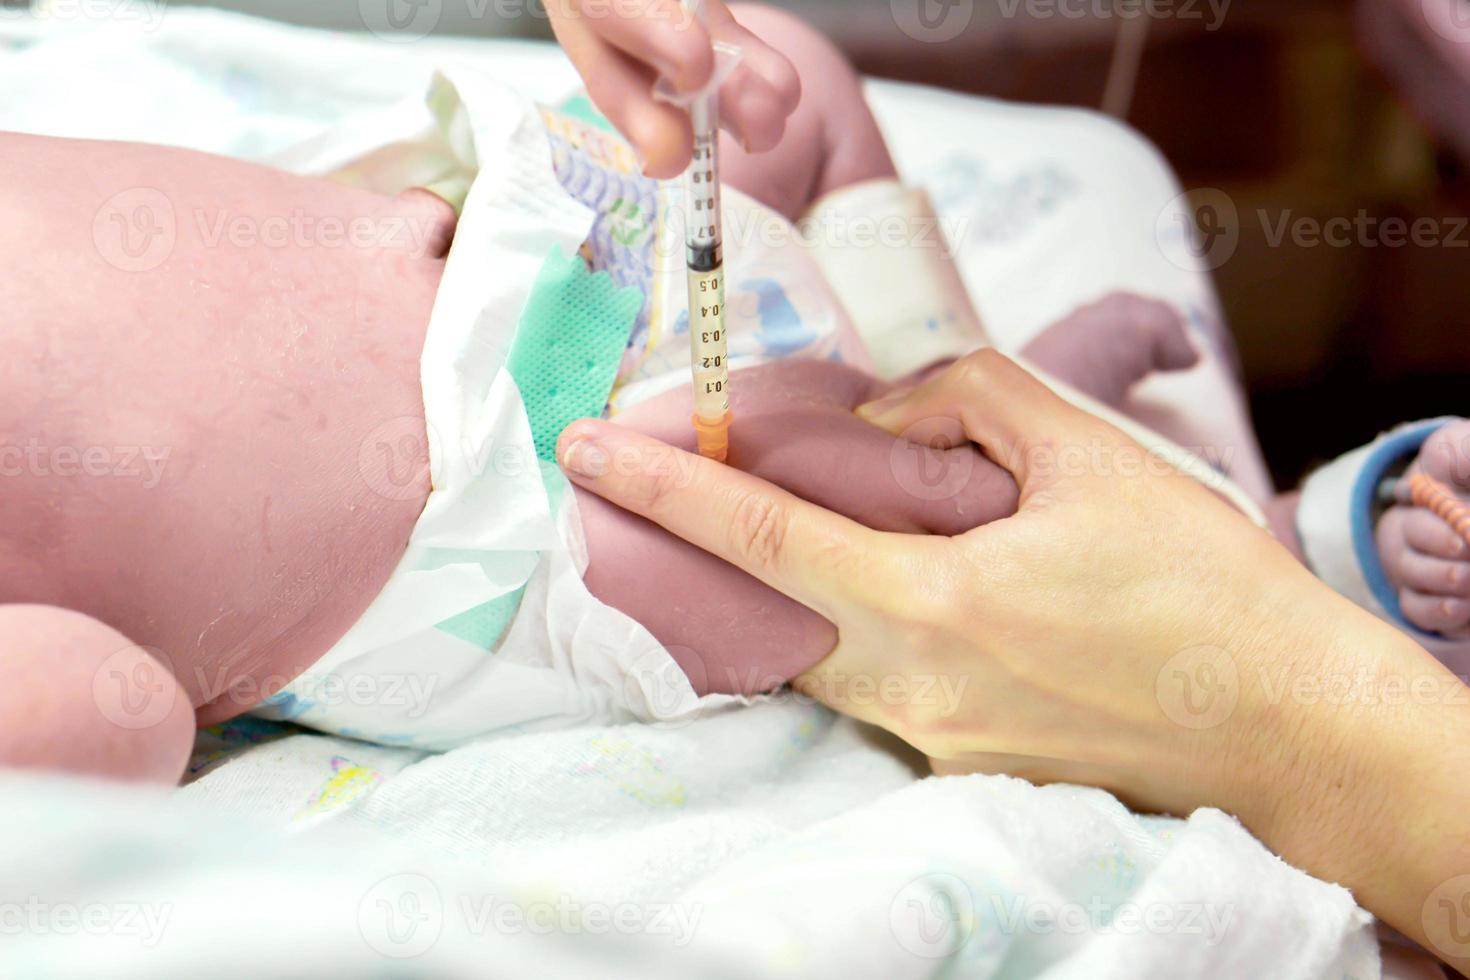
80 696
831 140
1426 557
795 427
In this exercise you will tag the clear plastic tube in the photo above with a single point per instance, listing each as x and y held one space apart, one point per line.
704 260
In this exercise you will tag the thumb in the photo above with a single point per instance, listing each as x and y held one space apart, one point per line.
997 404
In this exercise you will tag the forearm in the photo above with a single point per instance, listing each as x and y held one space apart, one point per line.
1367 783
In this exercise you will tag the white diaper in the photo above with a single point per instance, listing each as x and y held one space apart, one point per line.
498 544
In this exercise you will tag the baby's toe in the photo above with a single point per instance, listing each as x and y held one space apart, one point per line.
1434 576
1439 614
1426 533
1167 337
1446 456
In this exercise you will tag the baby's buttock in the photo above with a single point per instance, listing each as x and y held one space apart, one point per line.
211 423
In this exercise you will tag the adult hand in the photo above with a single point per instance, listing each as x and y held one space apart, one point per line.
1125 629
622 47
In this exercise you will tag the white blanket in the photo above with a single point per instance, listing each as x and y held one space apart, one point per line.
777 840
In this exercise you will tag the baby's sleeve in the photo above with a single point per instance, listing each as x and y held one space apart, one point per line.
1338 513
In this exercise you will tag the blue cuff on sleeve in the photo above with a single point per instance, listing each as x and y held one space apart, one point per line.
1381 461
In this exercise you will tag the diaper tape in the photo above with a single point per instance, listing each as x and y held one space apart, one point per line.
568 345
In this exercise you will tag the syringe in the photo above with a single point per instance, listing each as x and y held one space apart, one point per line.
704 259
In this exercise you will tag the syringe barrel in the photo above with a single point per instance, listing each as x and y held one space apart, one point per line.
708 345
706 271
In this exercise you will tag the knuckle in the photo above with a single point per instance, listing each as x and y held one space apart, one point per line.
758 529
979 369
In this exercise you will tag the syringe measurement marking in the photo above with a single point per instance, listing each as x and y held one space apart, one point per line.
711 347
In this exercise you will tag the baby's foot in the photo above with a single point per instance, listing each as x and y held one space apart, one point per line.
1104 349
1421 539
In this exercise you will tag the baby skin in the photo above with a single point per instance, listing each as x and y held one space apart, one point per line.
189 507
1426 559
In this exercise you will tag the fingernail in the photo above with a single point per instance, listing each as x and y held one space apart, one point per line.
584 458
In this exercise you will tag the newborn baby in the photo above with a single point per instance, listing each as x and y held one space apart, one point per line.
196 512
251 378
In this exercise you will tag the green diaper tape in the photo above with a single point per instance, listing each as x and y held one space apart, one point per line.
581 107
484 625
568 345
564 359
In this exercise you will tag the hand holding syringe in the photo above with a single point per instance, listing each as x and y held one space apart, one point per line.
621 49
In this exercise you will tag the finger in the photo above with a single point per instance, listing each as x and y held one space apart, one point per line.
1429 535
998 404
793 546
751 110
1434 576
623 90
1431 612
755 54
660 34
762 92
